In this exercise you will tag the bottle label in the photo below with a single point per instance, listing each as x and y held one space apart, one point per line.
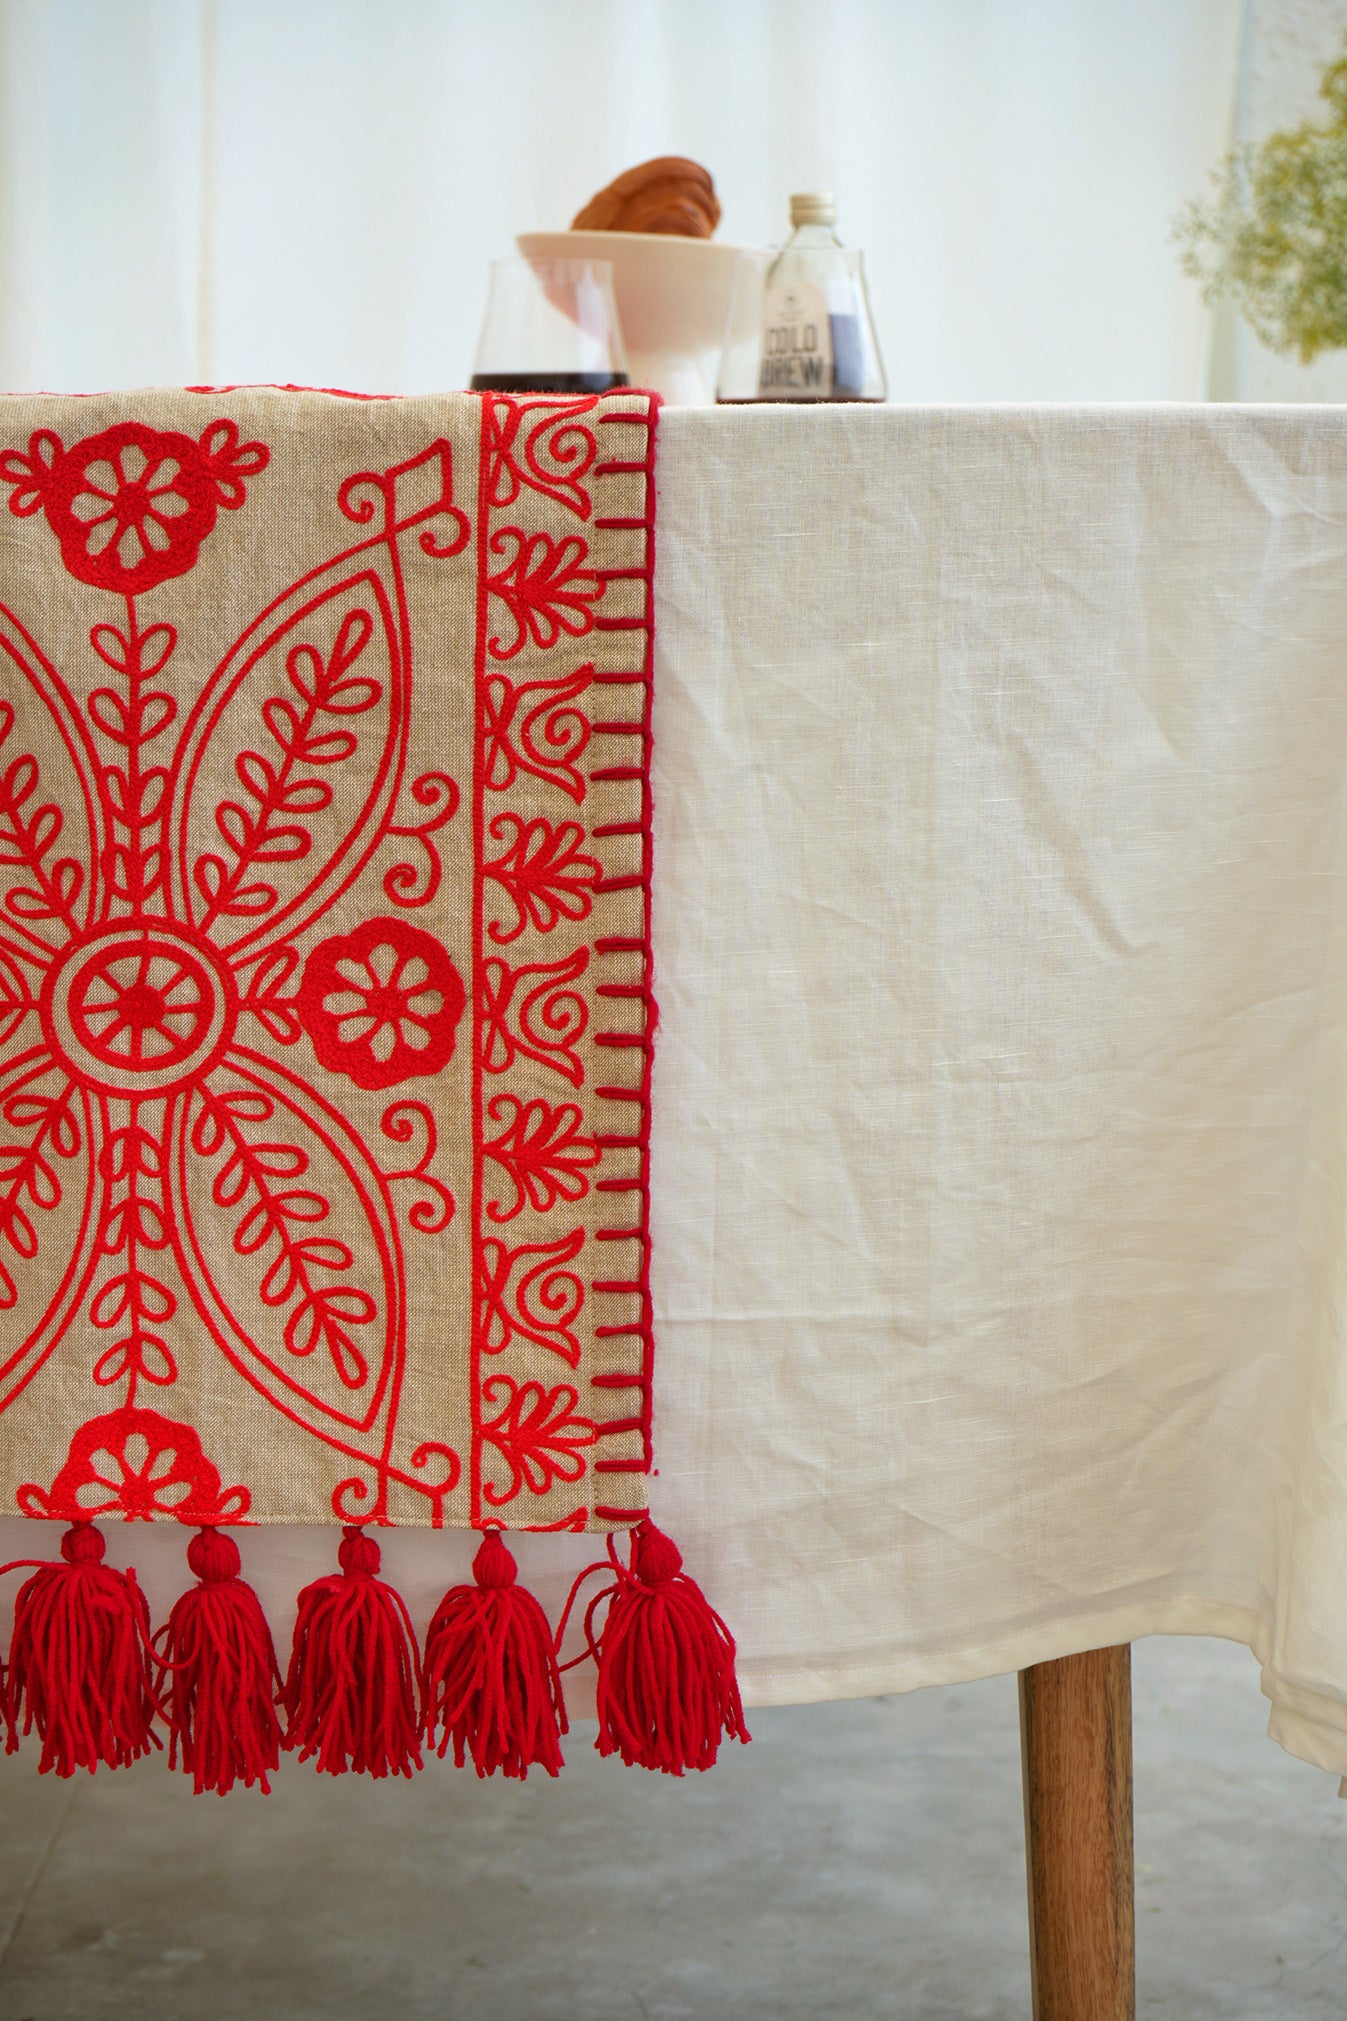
797 348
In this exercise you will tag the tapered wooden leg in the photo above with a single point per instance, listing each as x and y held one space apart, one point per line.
1076 1743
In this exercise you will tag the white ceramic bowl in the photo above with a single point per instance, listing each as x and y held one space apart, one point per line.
672 294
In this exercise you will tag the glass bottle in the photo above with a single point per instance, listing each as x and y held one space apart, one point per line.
800 325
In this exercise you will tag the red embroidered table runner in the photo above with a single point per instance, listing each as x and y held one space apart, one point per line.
325 1016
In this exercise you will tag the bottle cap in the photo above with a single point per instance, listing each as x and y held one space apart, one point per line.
818 208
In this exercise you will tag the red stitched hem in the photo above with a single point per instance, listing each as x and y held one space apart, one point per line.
636 1388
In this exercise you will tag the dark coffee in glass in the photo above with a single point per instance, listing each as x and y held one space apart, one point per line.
550 327
547 382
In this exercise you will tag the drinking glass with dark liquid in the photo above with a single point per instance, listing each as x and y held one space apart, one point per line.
550 327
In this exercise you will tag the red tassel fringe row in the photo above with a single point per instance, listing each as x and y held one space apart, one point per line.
358 1696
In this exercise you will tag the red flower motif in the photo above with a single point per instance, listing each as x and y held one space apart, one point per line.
545 586
137 1464
545 873
541 1151
132 505
381 1004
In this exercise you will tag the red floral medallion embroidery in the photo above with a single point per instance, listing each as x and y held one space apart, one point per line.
136 1464
138 1007
132 505
382 1003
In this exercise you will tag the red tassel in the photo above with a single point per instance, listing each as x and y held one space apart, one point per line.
666 1687
221 1674
350 1691
490 1677
79 1661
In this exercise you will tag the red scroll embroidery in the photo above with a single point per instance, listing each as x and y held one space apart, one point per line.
529 1294
534 727
530 1011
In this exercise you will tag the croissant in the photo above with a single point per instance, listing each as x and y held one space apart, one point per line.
669 194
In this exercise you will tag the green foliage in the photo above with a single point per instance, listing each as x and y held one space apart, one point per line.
1274 238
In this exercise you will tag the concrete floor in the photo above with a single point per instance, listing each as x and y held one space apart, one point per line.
860 1860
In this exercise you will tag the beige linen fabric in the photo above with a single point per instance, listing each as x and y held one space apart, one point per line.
999 1122
322 1030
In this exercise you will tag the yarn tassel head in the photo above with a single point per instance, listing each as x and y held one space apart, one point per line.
666 1691
220 1674
349 1694
490 1683
79 1661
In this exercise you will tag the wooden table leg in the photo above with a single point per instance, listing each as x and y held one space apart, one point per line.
1076 1744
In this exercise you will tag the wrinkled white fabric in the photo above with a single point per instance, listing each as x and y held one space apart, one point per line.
1000 1148
1000 1197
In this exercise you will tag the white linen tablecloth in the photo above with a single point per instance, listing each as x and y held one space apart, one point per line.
1000 1188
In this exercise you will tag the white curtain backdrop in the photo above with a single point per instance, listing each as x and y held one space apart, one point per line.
309 190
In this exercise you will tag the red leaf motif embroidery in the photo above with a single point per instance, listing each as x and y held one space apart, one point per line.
16 999
24 1173
538 1432
28 476
277 1013
284 791
29 831
545 586
543 871
250 1181
134 1303
528 1294
28 1178
542 1153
